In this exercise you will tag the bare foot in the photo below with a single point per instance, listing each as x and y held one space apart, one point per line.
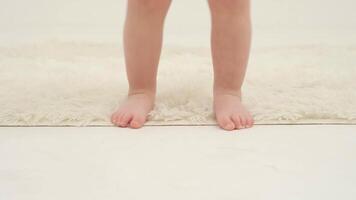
229 111
134 110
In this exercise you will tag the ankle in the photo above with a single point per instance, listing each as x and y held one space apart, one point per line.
146 92
218 91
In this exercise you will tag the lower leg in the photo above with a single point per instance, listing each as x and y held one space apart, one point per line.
143 34
230 43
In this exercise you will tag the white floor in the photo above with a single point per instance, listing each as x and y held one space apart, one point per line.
266 162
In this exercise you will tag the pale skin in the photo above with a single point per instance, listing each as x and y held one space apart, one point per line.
230 48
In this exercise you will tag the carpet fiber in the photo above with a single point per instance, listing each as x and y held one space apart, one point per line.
66 83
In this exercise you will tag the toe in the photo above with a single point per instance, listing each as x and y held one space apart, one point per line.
236 120
249 121
115 118
124 120
226 123
243 121
137 122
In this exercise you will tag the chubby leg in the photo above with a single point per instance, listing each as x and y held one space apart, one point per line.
143 34
230 45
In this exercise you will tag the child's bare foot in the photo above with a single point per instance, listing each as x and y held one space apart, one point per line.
229 111
134 110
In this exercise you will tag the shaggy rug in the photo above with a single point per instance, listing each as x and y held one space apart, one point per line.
66 83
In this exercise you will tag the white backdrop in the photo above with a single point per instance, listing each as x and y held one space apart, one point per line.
187 22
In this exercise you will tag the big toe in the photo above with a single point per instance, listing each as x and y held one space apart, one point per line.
226 123
124 120
137 121
249 121
115 117
237 121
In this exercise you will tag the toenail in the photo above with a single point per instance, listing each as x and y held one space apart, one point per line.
229 126
135 124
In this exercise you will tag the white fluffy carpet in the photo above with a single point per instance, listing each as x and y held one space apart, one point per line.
66 83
